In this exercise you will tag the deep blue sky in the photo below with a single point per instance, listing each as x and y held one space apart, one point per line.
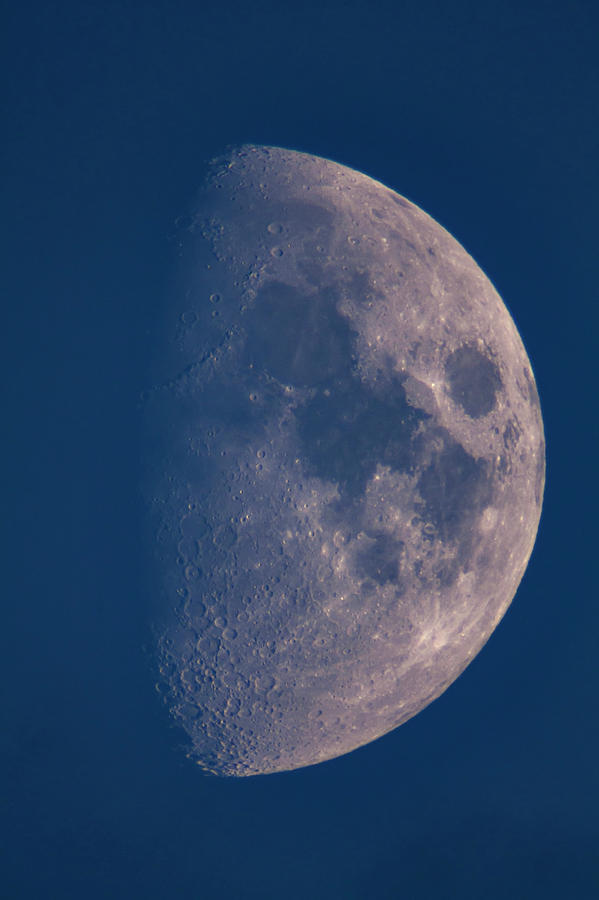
485 114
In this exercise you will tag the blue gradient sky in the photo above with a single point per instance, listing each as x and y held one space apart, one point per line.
485 115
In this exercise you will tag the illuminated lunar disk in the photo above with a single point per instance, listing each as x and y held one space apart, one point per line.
345 463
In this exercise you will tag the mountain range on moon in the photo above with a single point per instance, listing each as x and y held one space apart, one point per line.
344 463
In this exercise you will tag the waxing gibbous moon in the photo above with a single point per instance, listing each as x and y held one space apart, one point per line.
344 463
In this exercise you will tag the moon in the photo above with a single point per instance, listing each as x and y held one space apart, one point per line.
344 463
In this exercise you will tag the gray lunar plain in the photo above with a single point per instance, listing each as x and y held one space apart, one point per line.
344 463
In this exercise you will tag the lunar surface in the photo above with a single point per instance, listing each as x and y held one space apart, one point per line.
344 463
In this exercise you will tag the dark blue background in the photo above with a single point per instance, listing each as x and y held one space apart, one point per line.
485 114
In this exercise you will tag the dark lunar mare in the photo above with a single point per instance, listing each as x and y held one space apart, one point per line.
313 342
347 428
474 380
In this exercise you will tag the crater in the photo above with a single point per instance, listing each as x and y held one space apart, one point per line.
473 380
540 472
533 394
511 435
399 201
380 559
